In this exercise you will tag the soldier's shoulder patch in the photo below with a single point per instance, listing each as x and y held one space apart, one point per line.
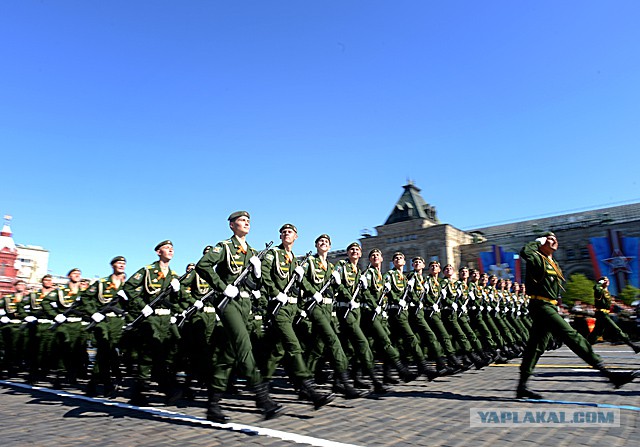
216 249
269 257
137 276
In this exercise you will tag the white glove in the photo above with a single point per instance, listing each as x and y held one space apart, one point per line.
60 319
257 266
198 304
317 297
387 286
173 319
378 310
54 305
231 291
147 310
3 312
30 319
436 308
284 299
542 240
402 303
175 285
420 305
336 277
353 304
256 294
455 306
299 271
303 314
4 319
411 282
384 314
123 295
464 309
364 282
97 317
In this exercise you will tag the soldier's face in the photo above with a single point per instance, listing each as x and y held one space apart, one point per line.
47 283
434 269
165 252
418 265
288 236
398 262
323 245
475 276
74 276
376 259
119 266
240 226
448 271
463 274
20 287
354 253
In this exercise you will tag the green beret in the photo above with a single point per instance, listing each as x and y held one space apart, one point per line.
398 253
160 244
46 276
375 250
234 216
434 263
19 281
207 249
354 244
118 259
73 270
463 268
417 258
326 236
288 227
549 234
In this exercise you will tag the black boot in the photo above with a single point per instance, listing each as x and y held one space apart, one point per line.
318 399
455 363
387 374
270 409
348 391
634 346
618 378
442 368
92 388
378 386
477 360
427 370
525 393
498 357
214 412
405 373
358 382
138 396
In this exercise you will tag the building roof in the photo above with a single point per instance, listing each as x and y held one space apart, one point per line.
411 206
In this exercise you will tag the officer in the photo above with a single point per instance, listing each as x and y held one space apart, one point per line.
220 267
278 270
602 299
100 300
544 280
156 337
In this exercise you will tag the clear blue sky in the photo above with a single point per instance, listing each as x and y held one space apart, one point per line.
123 123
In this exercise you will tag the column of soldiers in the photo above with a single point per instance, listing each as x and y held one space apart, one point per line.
240 314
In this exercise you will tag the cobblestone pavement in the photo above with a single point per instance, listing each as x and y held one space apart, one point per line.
420 413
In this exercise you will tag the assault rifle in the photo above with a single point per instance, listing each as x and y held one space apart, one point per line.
355 293
408 288
463 308
288 287
436 307
421 297
188 313
155 302
386 289
312 302
111 306
73 309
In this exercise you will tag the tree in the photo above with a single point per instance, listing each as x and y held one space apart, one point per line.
628 294
578 287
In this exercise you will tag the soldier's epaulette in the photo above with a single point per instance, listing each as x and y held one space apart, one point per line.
150 266
173 273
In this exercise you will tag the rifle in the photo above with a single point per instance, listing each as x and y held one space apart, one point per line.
436 305
109 307
386 289
355 293
71 310
290 284
161 297
463 308
312 302
421 297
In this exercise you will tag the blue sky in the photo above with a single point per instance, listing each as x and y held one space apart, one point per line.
125 123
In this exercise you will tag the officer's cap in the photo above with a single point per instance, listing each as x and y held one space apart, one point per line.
160 244
234 216
354 244
73 270
118 259
288 227
326 236
375 250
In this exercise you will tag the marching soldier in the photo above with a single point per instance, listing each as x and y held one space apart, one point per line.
220 267
11 320
101 301
544 282
602 299
156 336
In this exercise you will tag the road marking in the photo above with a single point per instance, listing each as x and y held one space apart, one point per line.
248 429
585 404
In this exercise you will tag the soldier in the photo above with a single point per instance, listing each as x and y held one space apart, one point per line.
101 301
318 271
602 299
220 267
11 320
544 283
156 337
278 271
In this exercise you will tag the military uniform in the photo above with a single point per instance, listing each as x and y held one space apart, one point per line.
38 336
433 317
12 337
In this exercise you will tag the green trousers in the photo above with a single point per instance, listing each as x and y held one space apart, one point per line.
603 322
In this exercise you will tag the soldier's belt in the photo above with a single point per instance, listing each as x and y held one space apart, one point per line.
162 311
327 300
341 304
45 321
209 309
111 314
244 294
395 307
604 311
292 300
334 314
257 317
544 298
13 320
74 319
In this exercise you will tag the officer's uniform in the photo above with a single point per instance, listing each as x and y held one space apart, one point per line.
12 337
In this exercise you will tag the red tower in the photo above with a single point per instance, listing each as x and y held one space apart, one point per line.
8 257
